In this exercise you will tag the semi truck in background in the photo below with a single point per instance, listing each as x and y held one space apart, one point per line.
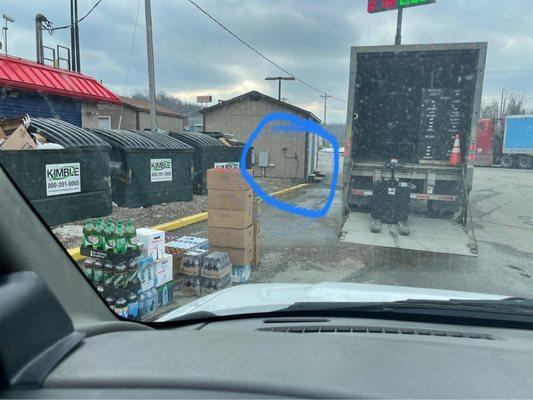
517 147
489 142
408 107
507 142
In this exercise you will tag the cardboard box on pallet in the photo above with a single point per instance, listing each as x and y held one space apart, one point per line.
230 208
226 179
163 270
237 256
152 241
234 219
228 237
230 199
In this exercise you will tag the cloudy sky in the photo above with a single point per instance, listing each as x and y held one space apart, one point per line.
309 38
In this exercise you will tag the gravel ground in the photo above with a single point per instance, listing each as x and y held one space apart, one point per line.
70 234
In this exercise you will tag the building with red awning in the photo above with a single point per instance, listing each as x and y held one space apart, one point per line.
27 87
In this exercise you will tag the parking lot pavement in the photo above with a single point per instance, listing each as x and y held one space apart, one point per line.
298 249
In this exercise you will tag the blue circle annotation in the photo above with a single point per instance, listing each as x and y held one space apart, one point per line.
295 125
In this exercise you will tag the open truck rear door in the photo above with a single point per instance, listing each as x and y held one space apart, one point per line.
410 103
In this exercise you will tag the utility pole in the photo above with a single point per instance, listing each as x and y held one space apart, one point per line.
7 19
502 102
39 19
326 97
151 73
77 35
398 40
72 37
279 79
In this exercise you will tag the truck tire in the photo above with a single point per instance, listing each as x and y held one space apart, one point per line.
524 162
507 161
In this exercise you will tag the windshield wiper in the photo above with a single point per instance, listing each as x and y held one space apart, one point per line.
516 305
511 310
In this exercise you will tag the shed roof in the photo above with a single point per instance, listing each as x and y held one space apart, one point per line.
142 105
254 94
28 75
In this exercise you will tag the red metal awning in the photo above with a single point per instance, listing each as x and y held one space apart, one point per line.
23 74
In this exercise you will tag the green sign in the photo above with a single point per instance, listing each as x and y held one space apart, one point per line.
375 6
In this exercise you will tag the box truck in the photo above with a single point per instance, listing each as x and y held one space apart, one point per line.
413 111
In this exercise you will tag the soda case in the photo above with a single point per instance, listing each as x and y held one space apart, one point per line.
215 265
146 272
117 283
192 242
192 261
210 285
215 272
191 285
171 237
148 302
114 241
165 293
241 273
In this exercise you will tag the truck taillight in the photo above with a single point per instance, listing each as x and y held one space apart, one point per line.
347 148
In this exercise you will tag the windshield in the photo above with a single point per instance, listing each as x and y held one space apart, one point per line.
229 157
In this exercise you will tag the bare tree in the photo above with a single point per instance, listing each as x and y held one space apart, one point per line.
490 111
513 104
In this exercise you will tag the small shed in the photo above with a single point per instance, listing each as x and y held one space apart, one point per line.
275 155
134 114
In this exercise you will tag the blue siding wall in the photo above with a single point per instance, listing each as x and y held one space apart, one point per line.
40 105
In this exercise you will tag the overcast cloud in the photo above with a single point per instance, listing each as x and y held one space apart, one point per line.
310 38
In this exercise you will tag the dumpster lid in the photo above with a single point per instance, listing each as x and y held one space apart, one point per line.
165 140
65 134
135 140
196 139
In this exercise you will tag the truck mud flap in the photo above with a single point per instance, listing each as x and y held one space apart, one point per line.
426 234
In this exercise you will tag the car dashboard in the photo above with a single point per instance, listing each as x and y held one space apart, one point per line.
297 357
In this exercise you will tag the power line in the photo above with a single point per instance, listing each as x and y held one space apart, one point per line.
51 30
258 52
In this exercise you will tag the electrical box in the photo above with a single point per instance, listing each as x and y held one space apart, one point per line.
263 159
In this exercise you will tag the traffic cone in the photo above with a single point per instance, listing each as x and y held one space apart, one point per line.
455 157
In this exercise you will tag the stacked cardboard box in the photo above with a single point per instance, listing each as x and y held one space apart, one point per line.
159 277
230 209
234 221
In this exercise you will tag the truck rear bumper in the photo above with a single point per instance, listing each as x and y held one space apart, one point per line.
414 196
426 234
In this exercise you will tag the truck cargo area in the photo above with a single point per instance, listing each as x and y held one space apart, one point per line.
412 119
